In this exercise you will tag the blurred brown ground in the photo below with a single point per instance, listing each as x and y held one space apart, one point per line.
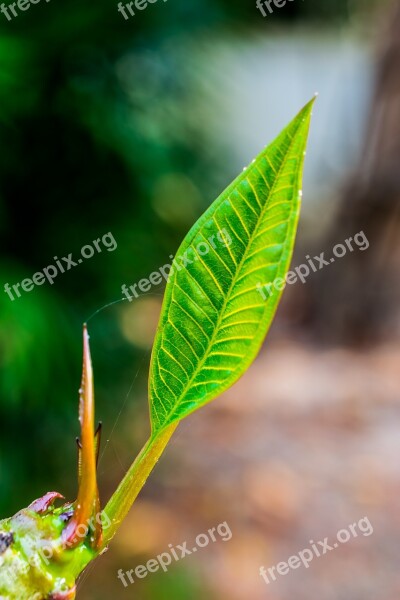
304 445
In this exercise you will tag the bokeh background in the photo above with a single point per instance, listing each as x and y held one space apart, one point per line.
134 127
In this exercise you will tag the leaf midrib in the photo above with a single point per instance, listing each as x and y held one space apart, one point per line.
234 280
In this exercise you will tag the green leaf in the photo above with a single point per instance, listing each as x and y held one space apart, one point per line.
214 319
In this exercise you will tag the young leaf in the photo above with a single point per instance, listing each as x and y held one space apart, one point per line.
214 318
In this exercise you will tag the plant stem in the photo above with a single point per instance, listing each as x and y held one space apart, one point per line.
129 488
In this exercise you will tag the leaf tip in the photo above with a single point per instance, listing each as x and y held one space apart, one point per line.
311 103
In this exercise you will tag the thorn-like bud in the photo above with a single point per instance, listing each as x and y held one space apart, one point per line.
87 504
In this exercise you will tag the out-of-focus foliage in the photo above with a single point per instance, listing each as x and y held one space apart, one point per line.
101 130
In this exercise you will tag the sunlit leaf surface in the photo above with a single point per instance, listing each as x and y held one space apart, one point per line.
214 318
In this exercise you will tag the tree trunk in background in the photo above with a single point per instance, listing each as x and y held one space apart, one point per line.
357 300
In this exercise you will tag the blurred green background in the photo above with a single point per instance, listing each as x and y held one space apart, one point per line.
134 127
